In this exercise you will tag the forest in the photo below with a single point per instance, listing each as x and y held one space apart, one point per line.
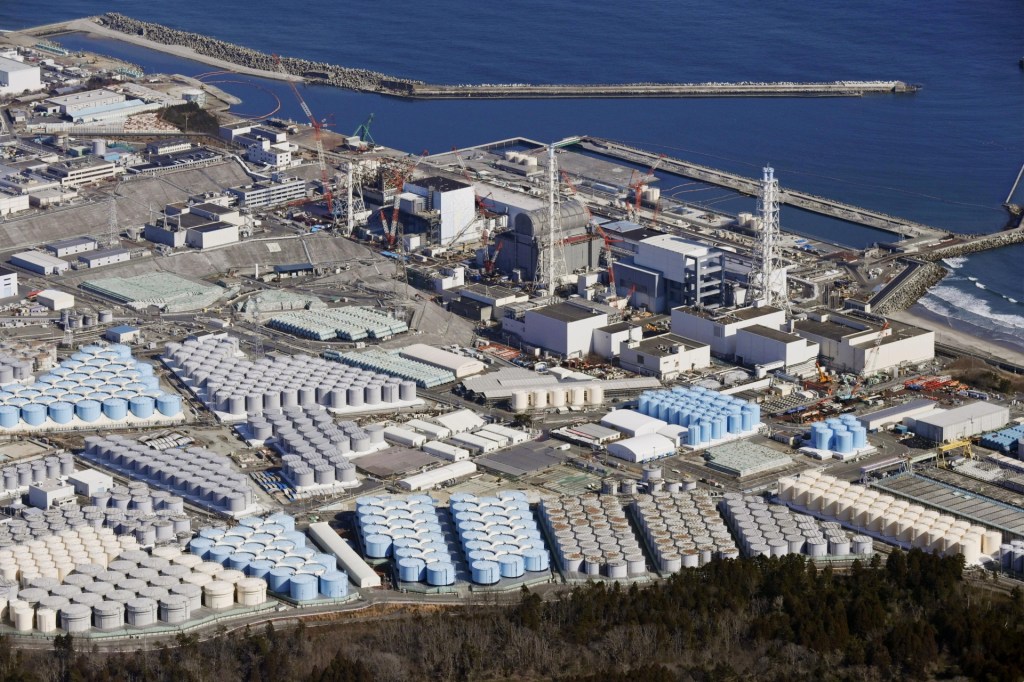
910 616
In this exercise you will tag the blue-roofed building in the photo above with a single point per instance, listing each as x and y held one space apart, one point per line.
124 333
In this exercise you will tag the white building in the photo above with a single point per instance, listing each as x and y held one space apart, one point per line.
89 482
17 77
277 190
459 365
39 263
13 202
434 477
76 102
862 346
454 200
168 146
632 423
940 426
642 448
268 154
71 247
609 341
718 328
665 356
669 271
98 259
8 283
83 171
55 300
564 329
758 345
212 235
47 493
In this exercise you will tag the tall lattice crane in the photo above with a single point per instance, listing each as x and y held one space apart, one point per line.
321 157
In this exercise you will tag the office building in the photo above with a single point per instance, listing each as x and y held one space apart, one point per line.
17 77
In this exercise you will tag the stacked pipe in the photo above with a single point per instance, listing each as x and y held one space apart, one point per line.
227 382
96 385
269 548
708 415
683 529
592 536
17 477
198 475
899 522
413 532
773 530
314 451
499 536
150 517
130 587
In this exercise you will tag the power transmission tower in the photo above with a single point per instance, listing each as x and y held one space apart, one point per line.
551 261
112 225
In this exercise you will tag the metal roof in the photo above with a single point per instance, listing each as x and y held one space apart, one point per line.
964 413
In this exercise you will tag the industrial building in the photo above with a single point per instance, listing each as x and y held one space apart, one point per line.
745 459
609 341
665 356
8 283
642 448
13 201
98 259
718 328
72 247
163 290
76 102
865 346
940 426
277 190
55 300
668 271
212 235
168 146
84 170
455 204
272 155
632 423
518 249
39 263
761 346
122 334
17 77
873 421
564 329
459 365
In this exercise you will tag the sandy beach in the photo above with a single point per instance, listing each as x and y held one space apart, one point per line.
954 337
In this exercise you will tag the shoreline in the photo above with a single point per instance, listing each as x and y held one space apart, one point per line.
951 336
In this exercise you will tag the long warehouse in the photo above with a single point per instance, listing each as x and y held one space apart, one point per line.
359 572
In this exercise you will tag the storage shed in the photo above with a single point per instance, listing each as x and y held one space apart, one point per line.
632 423
642 448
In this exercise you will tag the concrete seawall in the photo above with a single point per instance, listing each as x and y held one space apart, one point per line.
912 287
247 60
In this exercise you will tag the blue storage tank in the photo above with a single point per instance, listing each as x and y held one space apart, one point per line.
735 423
286 521
259 568
169 405
644 404
33 413
485 572
821 437
860 437
303 587
150 383
87 410
411 570
115 408
278 579
143 368
440 573
705 431
142 406
535 560
511 565
239 561
755 413
377 546
9 416
719 426
220 554
61 412
334 584
200 547
693 436
844 442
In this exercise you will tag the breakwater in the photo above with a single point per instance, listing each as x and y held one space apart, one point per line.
364 80
973 244
911 285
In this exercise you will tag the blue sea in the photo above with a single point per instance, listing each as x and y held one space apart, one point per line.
945 156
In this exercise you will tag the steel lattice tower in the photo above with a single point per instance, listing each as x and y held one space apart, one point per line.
767 262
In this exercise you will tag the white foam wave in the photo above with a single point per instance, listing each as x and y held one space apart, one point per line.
973 279
980 285
955 303
1012 300
956 262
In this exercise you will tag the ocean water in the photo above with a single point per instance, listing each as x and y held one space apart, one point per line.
945 156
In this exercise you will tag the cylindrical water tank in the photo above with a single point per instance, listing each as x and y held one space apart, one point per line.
141 406
34 414
218 594
304 587
60 412
141 612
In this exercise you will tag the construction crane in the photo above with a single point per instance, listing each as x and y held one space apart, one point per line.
641 182
491 261
962 444
363 131
872 355
317 136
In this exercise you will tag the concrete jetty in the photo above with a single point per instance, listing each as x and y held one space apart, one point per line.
751 186
245 60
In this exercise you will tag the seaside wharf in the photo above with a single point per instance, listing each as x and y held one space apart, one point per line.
751 186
